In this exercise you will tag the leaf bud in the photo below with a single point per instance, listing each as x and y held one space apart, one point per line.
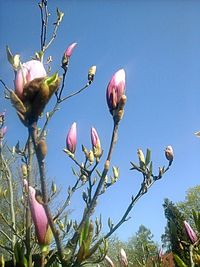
169 154
91 156
53 188
115 172
24 170
91 73
42 149
107 165
141 158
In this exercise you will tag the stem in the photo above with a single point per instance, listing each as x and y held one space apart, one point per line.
41 165
75 93
28 212
191 255
44 18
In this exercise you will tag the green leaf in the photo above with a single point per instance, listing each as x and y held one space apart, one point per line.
84 233
151 168
148 156
52 79
9 55
179 261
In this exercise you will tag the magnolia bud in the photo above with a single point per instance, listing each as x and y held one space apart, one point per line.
91 156
169 154
42 149
96 145
24 170
109 261
71 138
91 73
67 55
141 157
115 90
123 258
53 188
115 172
107 165
190 232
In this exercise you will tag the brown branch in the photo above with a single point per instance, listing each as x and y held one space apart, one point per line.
41 165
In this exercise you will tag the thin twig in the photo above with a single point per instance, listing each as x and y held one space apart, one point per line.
75 93
3 233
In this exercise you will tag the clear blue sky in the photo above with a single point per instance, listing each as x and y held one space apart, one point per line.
158 45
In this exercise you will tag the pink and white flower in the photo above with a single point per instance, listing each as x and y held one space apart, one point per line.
72 138
115 89
27 72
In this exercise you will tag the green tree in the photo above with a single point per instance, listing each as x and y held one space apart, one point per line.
191 202
141 248
175 233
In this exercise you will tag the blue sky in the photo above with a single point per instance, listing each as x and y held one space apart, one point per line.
158 45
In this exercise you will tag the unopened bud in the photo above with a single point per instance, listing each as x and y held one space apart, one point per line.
115 172
83 178
53 188
106 179
141 157
190 232
109 261
123 258
91 156
42 149
24 170
96 144
107 165
91 73
169 154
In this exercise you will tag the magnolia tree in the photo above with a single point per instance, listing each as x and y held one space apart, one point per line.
54 240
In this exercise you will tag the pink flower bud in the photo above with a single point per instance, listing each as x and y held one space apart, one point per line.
123 258
190 232
70 49
109 261
28 72
115 89
71 138
95 143
169 154
39 217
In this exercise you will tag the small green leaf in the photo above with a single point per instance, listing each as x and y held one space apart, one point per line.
52 79
148 156
179 261
151 168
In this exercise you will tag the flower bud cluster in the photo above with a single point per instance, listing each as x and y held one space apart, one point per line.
71 142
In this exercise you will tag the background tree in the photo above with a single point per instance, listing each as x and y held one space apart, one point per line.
141 248
191 202
175 233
